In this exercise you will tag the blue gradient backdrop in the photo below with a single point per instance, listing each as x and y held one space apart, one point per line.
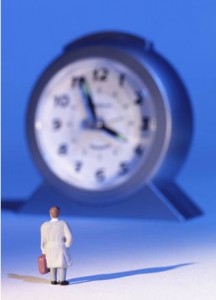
34 32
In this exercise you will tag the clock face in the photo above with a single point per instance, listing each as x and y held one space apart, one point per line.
95 124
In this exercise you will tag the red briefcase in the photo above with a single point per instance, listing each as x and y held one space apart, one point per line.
42 264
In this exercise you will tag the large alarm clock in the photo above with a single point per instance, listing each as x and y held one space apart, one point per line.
108 118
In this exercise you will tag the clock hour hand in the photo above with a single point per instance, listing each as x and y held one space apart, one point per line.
110 131
86 94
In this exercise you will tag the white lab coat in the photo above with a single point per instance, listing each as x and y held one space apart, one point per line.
56 238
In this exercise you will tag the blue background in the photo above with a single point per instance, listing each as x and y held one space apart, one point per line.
34 33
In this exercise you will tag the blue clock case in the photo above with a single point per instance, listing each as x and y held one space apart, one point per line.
152 192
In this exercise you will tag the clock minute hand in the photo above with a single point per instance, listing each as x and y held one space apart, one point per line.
110 131
85 90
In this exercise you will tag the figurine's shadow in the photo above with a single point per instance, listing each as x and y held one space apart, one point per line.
117 275
27 278
100 277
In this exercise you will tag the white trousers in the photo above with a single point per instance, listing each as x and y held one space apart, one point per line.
61 274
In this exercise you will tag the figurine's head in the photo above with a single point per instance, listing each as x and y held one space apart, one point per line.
54 211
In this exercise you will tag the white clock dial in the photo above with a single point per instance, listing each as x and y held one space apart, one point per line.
95 123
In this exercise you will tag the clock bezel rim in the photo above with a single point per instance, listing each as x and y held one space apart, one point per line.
137 181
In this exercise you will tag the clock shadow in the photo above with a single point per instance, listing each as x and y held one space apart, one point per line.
111 276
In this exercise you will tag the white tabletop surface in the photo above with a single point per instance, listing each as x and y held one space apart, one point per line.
114 259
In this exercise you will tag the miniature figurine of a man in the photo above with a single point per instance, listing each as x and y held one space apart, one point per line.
56 239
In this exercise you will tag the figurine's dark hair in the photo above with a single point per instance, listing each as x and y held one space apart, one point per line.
54 211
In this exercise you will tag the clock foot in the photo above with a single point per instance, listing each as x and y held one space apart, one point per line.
175 199
165 202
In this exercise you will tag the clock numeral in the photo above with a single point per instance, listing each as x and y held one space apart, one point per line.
56 124
78 165
139 150
123 168
139 98
122 77
145 123
100 176
63 149
76 81
61 101
114 94
100 74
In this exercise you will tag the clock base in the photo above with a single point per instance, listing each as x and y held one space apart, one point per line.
166 202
